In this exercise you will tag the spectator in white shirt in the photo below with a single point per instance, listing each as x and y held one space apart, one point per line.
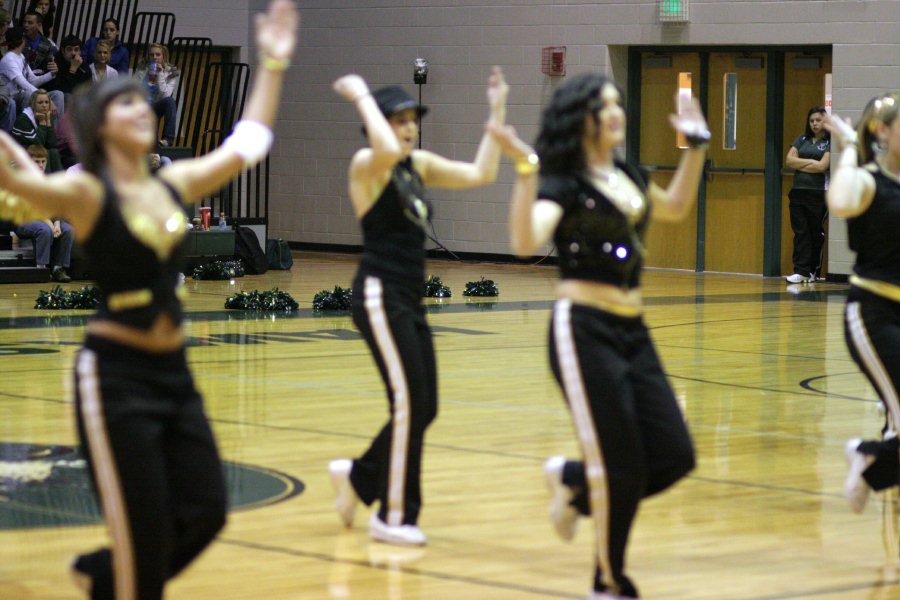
17 76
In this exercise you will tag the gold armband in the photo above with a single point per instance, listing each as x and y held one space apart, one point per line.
270 63
528 165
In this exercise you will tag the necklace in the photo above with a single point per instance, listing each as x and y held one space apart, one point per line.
610 178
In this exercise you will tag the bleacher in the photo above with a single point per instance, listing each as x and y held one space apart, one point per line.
209 99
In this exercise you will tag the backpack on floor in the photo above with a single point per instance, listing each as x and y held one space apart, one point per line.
248 250
278 253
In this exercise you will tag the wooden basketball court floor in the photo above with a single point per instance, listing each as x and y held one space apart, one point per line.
768 387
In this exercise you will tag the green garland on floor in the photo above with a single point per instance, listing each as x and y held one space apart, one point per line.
339 299
485 287
435 288
272 300
87 298
220 269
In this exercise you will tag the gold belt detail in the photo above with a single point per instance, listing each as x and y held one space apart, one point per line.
881 288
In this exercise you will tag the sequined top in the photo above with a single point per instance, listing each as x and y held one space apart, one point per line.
137 264
595 239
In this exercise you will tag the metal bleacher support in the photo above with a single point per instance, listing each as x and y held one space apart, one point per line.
84 17
148 28
192 55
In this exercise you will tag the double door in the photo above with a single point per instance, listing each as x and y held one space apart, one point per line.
755 101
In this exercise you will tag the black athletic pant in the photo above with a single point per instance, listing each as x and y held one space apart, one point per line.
633 436
154 463
392 321
808 213
872 331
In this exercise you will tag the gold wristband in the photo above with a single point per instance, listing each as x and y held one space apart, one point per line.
528 165
270 63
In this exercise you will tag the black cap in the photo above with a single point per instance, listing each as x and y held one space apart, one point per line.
393 98
14 37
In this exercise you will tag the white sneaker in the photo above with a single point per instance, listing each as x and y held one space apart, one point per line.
345 500
856 489
798 278
562 513
604 596
401 535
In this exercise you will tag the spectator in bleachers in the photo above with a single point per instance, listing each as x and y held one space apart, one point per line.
119 58
47 10
7 108
101 69
20 81
161 79
39 49
37 125
72 70
52 237
5 23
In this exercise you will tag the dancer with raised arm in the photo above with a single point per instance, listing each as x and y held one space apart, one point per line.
388 180
596 209
140 418
865 190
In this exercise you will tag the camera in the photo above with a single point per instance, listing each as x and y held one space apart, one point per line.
420 71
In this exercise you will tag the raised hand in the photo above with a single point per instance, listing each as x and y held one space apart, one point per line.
276 30
497 90
351 87
840 128
690 121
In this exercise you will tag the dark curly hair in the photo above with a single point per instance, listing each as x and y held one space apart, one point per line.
562 123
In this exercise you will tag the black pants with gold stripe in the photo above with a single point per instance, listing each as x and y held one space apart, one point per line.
633 437
872 332
154 463
392 321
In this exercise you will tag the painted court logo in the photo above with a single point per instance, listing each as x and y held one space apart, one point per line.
50 486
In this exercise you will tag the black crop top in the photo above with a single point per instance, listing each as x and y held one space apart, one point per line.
394 230
594 239
138 281
873 235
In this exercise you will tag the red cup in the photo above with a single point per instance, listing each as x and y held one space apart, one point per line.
205 212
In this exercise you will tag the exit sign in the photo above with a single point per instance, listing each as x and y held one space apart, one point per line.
673 11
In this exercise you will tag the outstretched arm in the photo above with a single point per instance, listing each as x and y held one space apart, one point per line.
441 172
851 189
531 221
276 35
75 197
675 202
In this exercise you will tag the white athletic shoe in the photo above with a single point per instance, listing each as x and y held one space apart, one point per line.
855 487
798 278
563 515
401 535
605 596
345 500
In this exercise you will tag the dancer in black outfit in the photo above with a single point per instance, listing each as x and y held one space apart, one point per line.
140 418
596 209
387 189
810 156
865 189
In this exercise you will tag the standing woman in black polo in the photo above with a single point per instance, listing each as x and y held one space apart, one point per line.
387 189
140 418
810 157
596 208
865 190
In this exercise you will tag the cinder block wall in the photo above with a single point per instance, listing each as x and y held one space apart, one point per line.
317 133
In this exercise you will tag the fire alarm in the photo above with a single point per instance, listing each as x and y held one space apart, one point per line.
553 61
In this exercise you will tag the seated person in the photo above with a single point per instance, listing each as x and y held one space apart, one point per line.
52 238
161 79
47 9
72 72
101 69
119 58
39 49
37 125
20 81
